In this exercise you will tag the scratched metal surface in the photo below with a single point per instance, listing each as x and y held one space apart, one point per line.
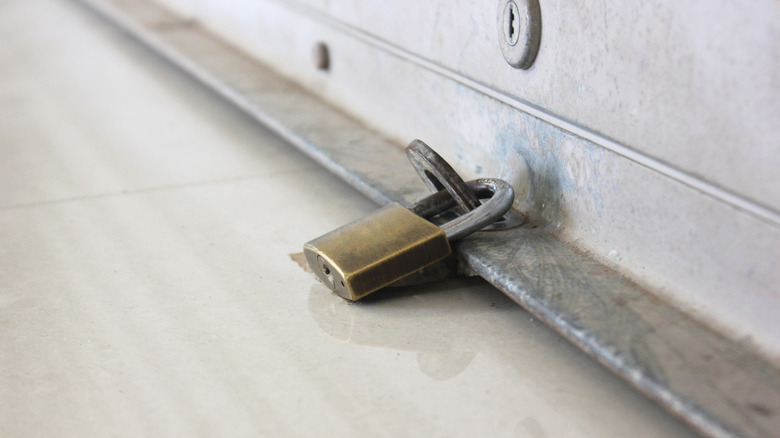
698 375
719 386
649 76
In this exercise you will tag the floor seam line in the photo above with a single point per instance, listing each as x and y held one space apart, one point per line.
151 189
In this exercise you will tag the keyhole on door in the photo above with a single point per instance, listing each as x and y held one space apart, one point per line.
511 23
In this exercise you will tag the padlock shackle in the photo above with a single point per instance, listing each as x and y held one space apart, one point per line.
500 194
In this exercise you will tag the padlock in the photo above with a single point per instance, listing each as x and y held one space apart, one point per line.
394 242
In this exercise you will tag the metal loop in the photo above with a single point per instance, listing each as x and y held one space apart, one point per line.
501 197
437 174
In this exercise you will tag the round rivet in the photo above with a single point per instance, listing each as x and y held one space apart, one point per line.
519 31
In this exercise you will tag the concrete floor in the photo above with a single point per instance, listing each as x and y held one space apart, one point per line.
147 286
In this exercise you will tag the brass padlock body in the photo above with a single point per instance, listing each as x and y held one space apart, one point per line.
376 251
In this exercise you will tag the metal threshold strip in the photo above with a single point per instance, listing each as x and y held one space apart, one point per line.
718 386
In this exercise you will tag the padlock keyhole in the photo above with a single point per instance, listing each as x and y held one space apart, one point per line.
328 277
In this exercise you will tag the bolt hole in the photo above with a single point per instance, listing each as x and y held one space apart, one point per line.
325 270
321 56
342 284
